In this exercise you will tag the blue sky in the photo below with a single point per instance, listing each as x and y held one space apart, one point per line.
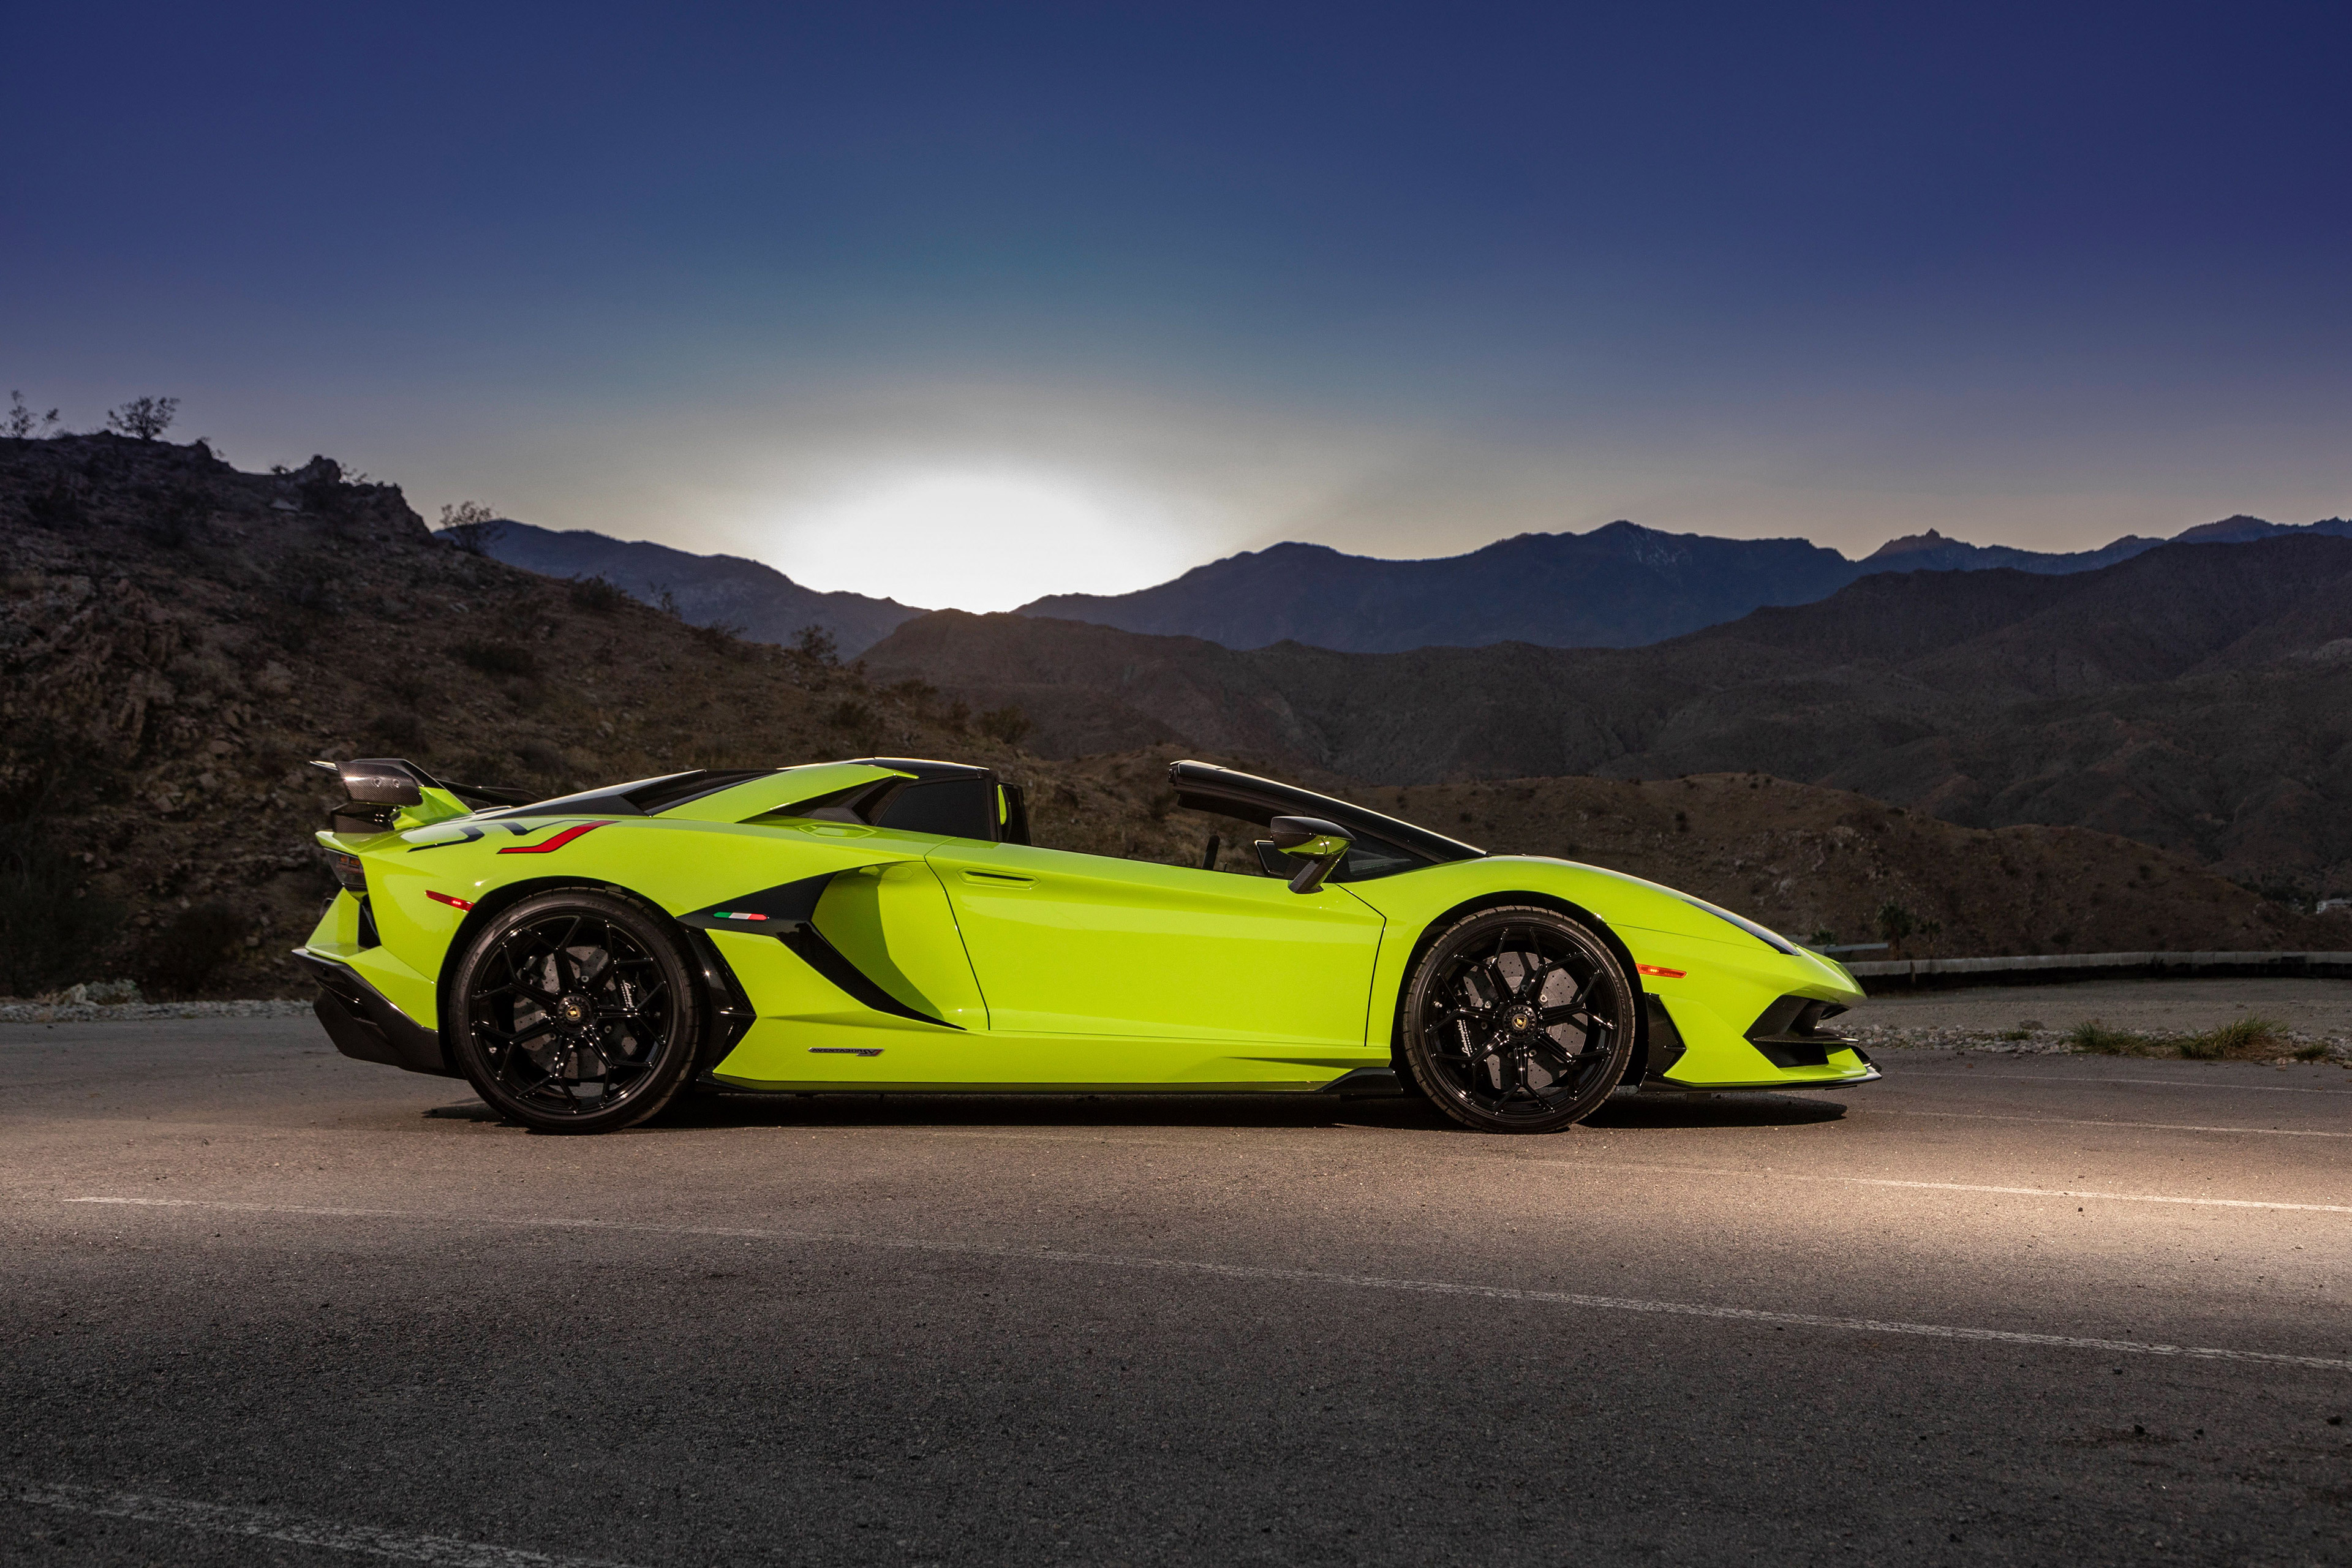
970 304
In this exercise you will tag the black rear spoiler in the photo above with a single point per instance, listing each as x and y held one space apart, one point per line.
377 787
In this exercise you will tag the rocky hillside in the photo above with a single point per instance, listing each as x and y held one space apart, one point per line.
1828 863
2195 697
177 637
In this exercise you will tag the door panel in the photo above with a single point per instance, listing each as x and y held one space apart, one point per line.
1068 943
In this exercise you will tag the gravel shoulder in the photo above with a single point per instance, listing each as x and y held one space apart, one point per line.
2032 1020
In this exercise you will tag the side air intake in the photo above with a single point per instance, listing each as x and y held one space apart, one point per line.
1789 1033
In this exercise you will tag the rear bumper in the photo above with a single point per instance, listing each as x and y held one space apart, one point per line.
366 1026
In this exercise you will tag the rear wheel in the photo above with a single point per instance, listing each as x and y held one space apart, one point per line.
575 1011
1519 1020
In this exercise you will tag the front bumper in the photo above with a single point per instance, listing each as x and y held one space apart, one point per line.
1845 1079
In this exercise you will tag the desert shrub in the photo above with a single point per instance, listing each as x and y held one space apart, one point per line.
2316 1051
46 931
21 423
2241 1039
497 657
719 636
188 951
143 417
2095 1037
914 691
598 594
814 642
1008 724
850 714
470 526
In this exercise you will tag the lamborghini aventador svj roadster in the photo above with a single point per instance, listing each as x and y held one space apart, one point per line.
886 924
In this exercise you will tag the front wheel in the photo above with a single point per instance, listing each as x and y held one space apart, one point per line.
575 1011
1519 1020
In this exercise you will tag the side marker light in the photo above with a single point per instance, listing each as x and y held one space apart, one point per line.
732 915
1661 973
558 842
455 903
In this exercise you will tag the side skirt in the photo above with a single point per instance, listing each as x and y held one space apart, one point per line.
837 1086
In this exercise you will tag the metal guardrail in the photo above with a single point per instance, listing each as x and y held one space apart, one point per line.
2039 969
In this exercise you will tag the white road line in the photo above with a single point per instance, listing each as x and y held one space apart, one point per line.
2100 1082
2071 1122
268 1524
2105 1197
1779 1174
1290 1276
1577 1164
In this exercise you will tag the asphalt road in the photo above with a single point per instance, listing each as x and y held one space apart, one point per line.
265 1305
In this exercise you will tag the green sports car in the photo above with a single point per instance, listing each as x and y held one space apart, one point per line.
886 924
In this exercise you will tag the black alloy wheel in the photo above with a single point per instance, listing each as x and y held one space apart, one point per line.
1519 1020
576 1011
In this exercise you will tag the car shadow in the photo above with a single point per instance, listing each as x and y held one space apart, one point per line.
1625 1110
1753 1107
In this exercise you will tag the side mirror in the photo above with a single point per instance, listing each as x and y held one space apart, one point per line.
1318 844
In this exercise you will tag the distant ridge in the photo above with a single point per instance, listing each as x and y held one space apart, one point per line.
1931 552
708 589
1618 586
1621 585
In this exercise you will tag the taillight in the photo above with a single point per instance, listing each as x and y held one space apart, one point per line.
348 870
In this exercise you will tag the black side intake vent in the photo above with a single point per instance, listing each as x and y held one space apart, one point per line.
1789 1033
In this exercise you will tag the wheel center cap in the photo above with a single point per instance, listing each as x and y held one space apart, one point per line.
572 1009
1519 1019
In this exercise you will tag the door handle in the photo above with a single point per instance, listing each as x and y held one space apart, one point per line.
1005 880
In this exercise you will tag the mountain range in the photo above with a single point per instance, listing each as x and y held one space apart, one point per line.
2196 696
1621 586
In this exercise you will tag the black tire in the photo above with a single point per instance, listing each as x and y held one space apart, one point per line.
575 1011
1518 1020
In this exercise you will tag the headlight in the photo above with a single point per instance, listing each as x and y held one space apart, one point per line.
1769 938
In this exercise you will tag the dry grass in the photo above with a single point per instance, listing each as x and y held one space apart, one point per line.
2249 1039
